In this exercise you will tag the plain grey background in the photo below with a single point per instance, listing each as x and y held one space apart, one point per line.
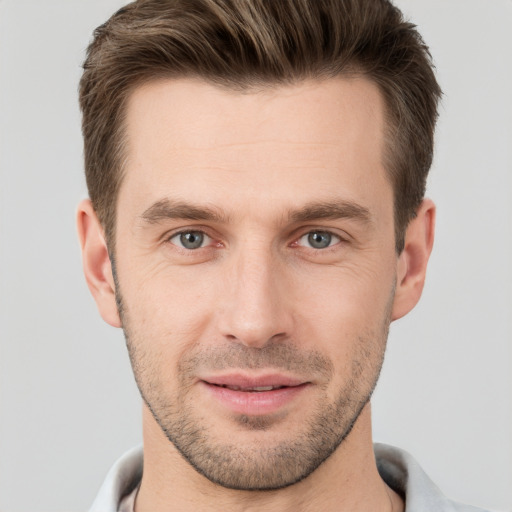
68 403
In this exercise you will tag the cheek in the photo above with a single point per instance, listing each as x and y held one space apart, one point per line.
344 296
346 315
166 310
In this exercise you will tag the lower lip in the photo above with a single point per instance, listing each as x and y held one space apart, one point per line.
254 403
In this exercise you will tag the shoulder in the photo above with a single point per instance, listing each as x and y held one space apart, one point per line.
120 481
403 474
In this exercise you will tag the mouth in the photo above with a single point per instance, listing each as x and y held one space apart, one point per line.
254 396
254 389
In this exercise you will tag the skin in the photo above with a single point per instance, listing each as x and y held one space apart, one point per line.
256 298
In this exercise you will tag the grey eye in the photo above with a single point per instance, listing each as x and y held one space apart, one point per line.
190 239
318 239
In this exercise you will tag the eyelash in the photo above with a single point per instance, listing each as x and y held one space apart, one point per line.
169 238
337 239
333 238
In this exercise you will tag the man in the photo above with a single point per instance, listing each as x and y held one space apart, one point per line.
256 172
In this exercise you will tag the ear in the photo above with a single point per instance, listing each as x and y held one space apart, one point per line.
412 262
96 263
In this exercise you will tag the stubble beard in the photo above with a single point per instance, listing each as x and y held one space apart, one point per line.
264 466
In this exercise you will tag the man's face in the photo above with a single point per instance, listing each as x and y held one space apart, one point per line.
256 269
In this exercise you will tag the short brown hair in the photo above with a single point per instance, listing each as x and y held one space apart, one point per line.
243 44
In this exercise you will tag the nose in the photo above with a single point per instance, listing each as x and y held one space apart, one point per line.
255 308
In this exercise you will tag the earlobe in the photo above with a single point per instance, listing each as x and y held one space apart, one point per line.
96 263
412 262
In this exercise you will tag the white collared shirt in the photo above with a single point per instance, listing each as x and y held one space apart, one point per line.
396 467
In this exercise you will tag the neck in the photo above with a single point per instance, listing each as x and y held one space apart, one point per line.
347 480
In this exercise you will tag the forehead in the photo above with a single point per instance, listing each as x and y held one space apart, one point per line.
196 113
310 136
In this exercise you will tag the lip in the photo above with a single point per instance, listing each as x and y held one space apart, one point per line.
251 381
244 399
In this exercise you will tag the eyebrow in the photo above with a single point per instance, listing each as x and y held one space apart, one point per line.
331 210
168 209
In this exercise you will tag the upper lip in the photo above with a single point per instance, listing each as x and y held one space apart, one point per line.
244 381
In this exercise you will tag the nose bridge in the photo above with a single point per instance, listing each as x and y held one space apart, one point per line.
255 312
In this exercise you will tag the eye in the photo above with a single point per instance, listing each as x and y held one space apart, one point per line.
190 239
319 239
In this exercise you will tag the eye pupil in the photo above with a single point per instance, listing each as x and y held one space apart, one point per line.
319 239
192 239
